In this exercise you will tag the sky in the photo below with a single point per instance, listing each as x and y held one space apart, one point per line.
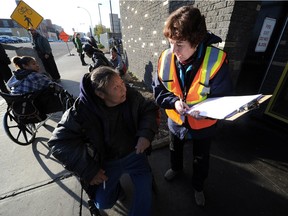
65 12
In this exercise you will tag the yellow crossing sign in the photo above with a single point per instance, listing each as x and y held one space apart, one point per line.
25 16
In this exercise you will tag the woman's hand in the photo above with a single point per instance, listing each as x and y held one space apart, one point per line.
181 107
196 114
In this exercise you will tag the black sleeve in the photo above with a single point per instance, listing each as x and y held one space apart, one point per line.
163 97
146 115
68 146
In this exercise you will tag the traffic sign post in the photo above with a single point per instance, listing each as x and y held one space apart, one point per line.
25 16
65 37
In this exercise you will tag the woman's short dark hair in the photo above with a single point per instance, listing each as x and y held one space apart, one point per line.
19 61
186 23
101 76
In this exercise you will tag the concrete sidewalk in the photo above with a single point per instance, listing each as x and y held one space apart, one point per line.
248 171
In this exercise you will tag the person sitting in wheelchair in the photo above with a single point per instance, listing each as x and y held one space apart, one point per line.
27 79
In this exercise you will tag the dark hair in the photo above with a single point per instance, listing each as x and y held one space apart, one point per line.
19 61
101 76
87 48
186 23
114 49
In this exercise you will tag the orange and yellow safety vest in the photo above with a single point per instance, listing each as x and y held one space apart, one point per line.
198 90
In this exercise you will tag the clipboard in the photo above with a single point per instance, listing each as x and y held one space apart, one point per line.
228 107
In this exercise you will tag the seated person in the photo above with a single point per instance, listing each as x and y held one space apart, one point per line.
105 135
27 79
97 56
117 61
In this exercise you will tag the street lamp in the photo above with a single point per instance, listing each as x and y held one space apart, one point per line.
90 19
111 17
100 13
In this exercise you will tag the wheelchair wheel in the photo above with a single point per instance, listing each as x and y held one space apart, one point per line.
67 100
22 134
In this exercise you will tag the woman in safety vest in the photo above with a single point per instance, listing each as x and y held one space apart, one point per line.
190 71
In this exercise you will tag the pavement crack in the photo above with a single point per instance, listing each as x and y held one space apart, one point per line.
31 188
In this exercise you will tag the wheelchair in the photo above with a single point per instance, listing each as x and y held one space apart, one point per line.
23 117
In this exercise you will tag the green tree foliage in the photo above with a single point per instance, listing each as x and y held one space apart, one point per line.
100 29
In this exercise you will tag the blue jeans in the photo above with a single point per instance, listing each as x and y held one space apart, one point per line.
138 168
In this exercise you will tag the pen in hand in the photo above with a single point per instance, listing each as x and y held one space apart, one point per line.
181 102
182 106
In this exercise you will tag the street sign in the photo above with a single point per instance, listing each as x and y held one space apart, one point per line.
25 16
64 36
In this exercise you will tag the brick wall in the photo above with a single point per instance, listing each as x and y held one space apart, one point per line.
142 24
239 34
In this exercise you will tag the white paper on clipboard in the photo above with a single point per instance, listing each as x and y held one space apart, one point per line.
223 107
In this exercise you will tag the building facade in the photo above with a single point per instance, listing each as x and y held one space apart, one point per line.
46 28
254 34
115 23
11 28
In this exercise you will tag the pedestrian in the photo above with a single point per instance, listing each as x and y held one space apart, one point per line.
114 42
97 57
5 71
79 48
117 61
190 71
28 79
92 41
106 134
44 51
73 39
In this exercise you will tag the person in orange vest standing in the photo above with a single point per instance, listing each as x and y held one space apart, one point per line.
190 71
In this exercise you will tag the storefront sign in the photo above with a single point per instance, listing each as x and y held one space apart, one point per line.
265 34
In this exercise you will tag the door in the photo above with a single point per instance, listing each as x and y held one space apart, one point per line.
271 19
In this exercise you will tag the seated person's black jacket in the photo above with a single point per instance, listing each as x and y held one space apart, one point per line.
81 136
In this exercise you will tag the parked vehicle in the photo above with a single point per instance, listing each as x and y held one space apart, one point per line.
25 39
17 39
3 40
8 38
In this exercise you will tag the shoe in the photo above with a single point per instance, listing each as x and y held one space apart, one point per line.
199 198
171 174
85 64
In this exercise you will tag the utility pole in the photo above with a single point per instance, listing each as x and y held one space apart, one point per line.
111 17
100 13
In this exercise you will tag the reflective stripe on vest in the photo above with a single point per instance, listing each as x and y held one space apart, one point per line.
198 90
168 79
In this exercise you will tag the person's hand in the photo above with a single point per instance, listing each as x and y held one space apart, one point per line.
99 178
196 114
181 107
142 144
